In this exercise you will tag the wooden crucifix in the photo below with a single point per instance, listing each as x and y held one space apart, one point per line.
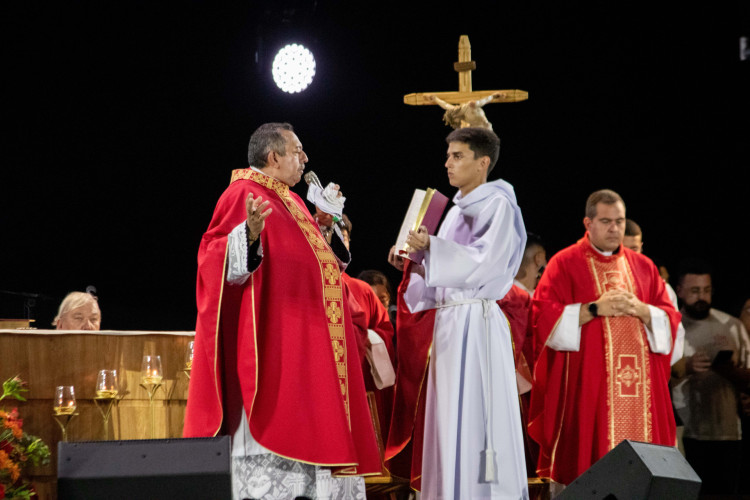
464 108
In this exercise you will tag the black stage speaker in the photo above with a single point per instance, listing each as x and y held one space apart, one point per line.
195 468
636 471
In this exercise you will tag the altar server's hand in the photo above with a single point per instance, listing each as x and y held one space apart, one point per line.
256 215
419 240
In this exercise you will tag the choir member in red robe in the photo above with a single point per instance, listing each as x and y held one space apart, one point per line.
604 330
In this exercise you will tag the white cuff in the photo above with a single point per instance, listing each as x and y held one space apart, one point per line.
238 270
660 334
679 344
566 336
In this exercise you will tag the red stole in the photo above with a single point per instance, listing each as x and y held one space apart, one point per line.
285 335
626 352
584 403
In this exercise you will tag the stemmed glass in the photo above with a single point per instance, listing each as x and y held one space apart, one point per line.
151 377
107 388
64 407
189 359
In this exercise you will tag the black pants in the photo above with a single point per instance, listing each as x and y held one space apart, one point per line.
717 463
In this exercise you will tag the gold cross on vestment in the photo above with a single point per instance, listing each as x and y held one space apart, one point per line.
465 94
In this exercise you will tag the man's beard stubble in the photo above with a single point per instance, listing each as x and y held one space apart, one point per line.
698 309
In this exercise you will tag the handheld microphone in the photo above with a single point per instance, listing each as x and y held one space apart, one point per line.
312 178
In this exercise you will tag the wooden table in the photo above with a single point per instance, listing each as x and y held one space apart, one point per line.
46 359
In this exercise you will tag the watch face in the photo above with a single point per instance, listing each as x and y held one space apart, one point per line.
593 309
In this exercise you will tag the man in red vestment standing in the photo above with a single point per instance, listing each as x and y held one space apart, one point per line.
604 331
275 362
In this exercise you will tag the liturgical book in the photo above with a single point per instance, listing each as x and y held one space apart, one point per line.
426 209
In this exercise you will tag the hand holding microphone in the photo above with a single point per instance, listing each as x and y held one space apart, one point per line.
328 200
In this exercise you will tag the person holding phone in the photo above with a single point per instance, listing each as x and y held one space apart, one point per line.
714 370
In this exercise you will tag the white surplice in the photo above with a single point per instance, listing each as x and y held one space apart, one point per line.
475 255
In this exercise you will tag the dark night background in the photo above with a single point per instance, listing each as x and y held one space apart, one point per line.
121 123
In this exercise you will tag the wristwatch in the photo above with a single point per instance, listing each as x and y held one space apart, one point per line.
594 309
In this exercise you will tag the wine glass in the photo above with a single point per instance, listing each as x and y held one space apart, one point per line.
151 377
151 370
65 400
64 407
106 384
106 395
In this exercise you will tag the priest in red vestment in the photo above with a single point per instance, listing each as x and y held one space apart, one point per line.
604 330
275 348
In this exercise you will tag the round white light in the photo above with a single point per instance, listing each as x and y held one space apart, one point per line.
293 68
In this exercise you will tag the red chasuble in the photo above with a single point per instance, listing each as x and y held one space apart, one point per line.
415 331
285 335
614 388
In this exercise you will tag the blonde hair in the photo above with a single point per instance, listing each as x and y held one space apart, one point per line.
72 301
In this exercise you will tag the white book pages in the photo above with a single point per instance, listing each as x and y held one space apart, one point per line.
409 220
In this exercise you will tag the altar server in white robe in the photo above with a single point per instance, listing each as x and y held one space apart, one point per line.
473 445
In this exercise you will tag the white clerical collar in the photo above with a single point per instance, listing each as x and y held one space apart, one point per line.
601 252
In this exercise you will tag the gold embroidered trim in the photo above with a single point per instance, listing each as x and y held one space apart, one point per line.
264 180
216 343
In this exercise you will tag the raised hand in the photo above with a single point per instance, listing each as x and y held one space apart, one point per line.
257 211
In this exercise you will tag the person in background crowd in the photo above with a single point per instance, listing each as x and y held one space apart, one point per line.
708 382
